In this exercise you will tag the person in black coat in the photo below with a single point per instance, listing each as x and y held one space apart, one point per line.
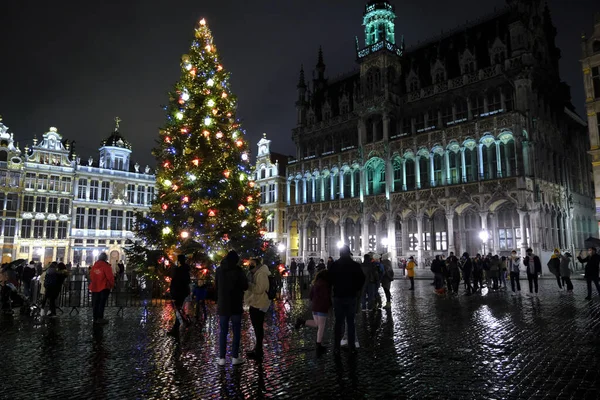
347 280
231 283
467 269
592 270
180 290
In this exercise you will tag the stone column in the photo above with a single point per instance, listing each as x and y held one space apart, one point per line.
304 190
288 242
495 238
342 224
341 184
404 237
302 252
297 190
362 132
431 169
480 160
364 247
523 227
386 127
322 195
462 242
391 240
418 172
364 190
419 240
448 177
313 193
484 227
404 175
289 192
332 186
352 194
450 219
322 240
378 237
535 223
389 178
463 165
498 160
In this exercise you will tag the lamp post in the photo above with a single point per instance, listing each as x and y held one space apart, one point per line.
484 236
340 244
281 247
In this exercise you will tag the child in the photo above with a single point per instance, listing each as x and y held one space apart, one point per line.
320 296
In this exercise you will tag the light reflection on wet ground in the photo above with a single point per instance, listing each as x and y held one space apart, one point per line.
478 347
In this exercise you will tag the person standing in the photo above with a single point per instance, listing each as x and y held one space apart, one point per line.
534 267
258 300
102 280
410 272
477 273
311 268
467 269
592 269
321 265
293 267
514 268
180 290
301 268
329 262
231 283
453 273
367 295
28 274
565 271
495 266
386 280
347 280
503 272
554 266
320 298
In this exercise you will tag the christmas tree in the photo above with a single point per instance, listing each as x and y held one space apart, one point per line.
206 203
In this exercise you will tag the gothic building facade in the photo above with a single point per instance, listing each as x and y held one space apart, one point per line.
467 142
55 208
591 81
270 176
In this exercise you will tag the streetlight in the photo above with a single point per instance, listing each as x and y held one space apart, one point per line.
340 244
95 253
484 236
281 247
384 242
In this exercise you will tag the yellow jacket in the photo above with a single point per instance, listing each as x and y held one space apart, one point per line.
410 268
256 296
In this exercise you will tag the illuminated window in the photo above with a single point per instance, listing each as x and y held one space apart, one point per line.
79 218
92 218
26 228
94 190
81 189
64 206
52 205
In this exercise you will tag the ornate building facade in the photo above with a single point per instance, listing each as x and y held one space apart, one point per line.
465 143
270 176
591 81
55 208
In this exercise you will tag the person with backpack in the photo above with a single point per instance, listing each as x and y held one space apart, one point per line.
554 267
534 268
320 297
257 298
386 280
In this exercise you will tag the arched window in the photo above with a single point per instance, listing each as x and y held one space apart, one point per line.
375 176
347 189
263 173
596 46
397 175
411 182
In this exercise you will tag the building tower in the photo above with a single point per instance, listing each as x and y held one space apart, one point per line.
115 152
378 21
591 80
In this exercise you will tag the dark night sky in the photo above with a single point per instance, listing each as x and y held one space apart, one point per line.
77 64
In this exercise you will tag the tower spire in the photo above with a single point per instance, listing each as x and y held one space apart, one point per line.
320 65
117 121
301 80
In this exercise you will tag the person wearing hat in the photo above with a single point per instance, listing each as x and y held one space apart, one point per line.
347 280
410 268
565 271
231 283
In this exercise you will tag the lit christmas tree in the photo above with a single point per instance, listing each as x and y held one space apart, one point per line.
206 203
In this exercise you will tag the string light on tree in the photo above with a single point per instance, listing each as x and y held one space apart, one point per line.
211 212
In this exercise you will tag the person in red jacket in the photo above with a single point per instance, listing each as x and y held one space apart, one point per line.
102 280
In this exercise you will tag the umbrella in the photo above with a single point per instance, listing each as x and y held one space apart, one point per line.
17 263
592 242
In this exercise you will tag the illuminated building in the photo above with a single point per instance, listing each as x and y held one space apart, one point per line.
421 150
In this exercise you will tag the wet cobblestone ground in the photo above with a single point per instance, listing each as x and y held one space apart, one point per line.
427 347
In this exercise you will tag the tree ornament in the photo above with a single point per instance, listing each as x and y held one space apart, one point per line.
239 143
241 207
187 151
165 207
196 161
226 173
185 58
190 220
206 133
184 234
210 83
251 184
226 154
185 199
219 135
249 199
212 212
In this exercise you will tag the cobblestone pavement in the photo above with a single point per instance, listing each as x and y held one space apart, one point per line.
491 346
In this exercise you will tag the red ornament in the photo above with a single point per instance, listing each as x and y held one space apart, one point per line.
196 161
241 207
212 212
251 184
184 130
249 199
226 173
226 237
165 207
239 143
166 164
185 199
167 140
